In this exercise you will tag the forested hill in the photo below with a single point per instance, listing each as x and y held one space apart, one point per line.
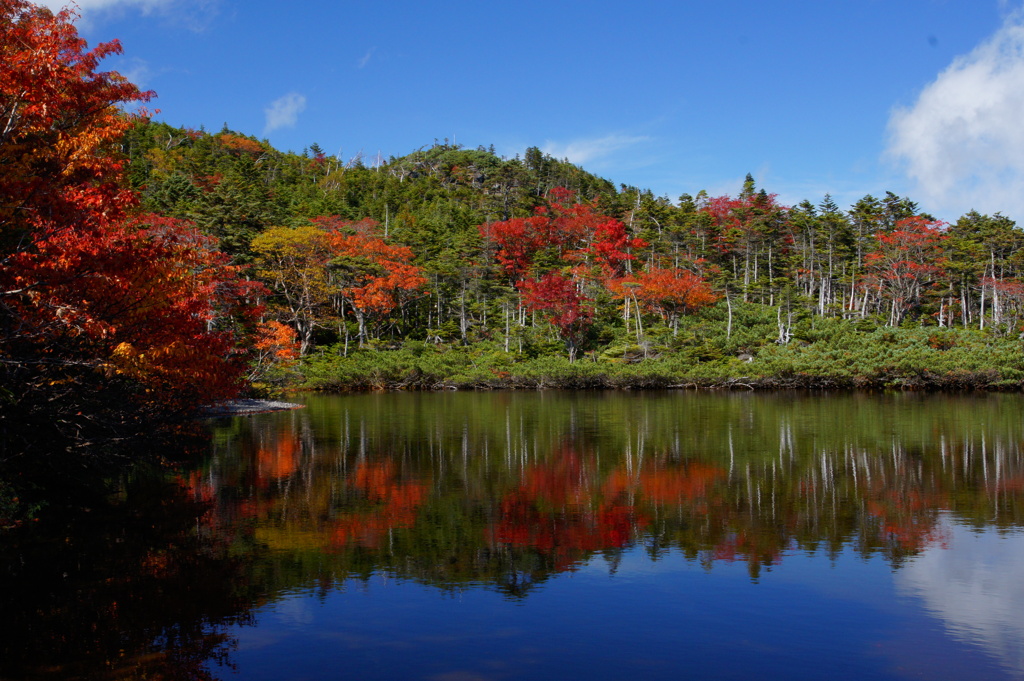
235 187
504 246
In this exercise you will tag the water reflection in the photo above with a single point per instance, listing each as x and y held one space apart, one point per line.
472 494
137 587
506 490
974 587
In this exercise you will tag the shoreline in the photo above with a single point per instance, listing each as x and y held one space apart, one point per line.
923 381
244 407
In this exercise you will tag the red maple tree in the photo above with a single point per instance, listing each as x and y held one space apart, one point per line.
559 300
147 299
561 233
60 122
103 317
906 263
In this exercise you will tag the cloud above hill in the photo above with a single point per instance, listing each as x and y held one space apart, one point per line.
962 142
582 151
284 112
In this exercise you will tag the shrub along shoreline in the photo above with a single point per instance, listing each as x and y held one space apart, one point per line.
835 356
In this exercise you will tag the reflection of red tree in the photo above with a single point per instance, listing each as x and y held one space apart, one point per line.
689 484
279 459
396 504
556 510
200 487
908 517
1015 485
693 488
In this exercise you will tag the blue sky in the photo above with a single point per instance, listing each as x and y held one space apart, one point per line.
921 97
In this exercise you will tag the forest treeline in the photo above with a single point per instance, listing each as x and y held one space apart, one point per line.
457 267
149 269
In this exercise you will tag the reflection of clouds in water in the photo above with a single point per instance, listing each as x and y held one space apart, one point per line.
294 612
976 588
291 615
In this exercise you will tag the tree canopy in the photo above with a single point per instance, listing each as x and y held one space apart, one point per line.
109 317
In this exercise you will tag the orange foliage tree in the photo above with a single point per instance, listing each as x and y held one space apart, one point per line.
60 121
372 277
275 345
322 270
669 293
106 321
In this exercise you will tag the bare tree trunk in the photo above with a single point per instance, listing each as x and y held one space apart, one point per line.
639 321
728 327
361 318
463 323
981 311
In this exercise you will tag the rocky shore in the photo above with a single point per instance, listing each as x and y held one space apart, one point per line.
247 406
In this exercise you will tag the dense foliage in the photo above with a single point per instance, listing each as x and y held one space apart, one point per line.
508 261
128 245
112 319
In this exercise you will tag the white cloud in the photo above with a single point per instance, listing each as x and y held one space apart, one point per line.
194 15
365 59
284 112
962 142
90 6
582 151
974 588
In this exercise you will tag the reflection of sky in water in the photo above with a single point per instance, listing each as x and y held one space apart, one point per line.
976 587
294 612
845 578
809 618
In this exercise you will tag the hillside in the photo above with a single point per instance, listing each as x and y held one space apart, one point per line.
508 261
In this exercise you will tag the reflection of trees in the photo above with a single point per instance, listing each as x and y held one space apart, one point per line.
505 492
129 590
497 490
390 502
758 513
555 513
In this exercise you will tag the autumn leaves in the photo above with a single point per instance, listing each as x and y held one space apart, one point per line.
560 261
564 256
96 295
106 314
323 270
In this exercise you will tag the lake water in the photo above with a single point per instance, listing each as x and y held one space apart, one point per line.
473 536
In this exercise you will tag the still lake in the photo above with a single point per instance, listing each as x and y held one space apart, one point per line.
493 536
